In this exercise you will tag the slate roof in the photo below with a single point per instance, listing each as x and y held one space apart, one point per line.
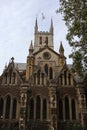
20 66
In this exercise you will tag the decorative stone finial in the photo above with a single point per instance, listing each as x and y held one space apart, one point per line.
61 49
12 59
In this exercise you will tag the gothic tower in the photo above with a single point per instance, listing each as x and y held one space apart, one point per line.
42 38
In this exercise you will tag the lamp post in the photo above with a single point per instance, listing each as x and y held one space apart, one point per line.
57 103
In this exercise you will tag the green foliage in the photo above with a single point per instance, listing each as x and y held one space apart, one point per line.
77 62
75 17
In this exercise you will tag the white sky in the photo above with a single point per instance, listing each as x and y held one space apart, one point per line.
17 21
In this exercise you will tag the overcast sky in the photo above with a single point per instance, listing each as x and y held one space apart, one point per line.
17 21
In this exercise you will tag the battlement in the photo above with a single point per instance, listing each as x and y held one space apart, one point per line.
44 32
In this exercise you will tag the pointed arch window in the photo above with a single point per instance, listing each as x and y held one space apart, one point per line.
61 79
8 102
65 77
66 108
46 69
1 107
46 41
38 76
69 79
14 109
10 76
51 73
14 78
32 108
73 109
60 109
42 78
38 107
40 40
44 109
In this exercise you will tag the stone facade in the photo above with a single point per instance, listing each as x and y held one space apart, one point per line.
44 93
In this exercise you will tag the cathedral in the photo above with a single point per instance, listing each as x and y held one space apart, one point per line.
45 93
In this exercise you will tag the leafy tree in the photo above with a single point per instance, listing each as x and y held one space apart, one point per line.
75 17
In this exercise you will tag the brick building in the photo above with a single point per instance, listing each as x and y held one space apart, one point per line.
43 93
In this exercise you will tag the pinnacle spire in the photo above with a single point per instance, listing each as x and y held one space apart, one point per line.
36 26
51 26
61 49
31 48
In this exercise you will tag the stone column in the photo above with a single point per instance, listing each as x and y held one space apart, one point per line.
23 107
4 109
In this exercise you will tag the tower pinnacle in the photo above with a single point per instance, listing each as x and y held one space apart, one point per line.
61 49
31 49
36 26
51 27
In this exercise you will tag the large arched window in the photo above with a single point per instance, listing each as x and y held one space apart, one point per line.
14 109
69 79
42 78
8 102
40 40
51 73
31 108
73 109
60 109
66 108
44 109
14 78
38 107
1 107
46 69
